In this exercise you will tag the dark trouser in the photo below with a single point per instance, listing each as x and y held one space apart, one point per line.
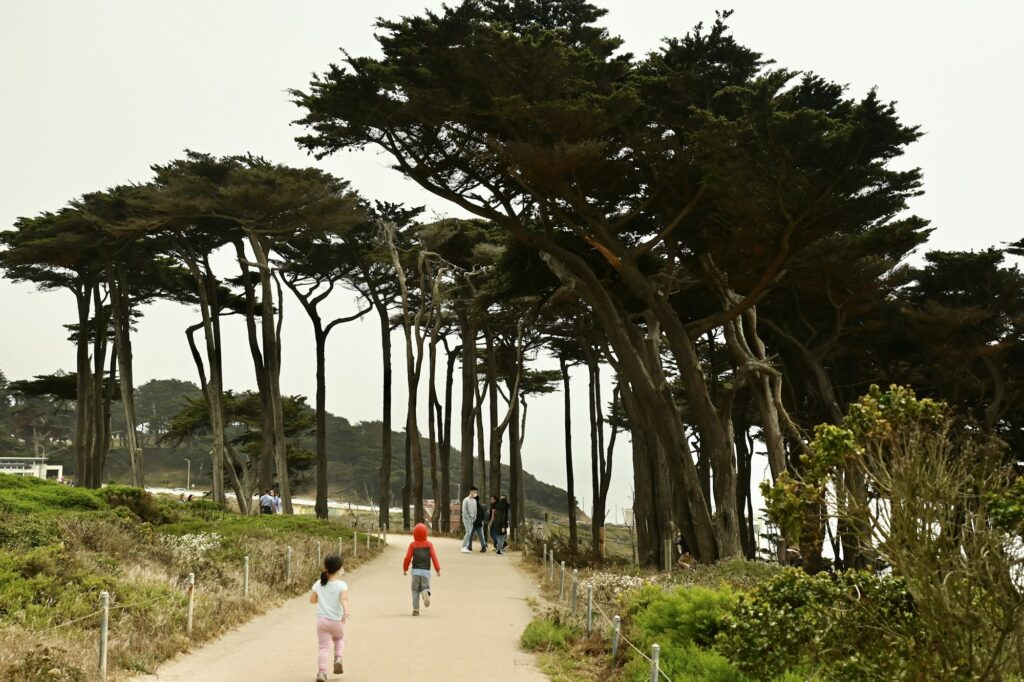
266 510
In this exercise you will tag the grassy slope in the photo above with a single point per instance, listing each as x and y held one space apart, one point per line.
60 547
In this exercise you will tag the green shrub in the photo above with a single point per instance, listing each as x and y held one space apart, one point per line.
546 633
852 626
684 622
146 506
22 495
683 615
23 531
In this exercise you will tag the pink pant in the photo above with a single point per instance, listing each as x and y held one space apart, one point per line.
327 630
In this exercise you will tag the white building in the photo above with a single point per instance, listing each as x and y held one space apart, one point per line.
31 466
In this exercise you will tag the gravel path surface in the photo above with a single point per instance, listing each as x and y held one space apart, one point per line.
470 631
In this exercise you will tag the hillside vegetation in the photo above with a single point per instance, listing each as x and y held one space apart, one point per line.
60 547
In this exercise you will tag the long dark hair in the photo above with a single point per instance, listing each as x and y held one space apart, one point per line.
332 564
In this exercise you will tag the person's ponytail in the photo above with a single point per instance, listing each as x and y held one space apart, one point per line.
332 564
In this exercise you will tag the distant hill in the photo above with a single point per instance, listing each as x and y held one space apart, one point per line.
353 450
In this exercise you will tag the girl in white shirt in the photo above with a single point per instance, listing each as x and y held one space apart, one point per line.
330 594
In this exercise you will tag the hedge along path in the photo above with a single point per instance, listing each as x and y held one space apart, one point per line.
472 628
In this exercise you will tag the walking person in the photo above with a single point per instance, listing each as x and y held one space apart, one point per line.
266 502
330 594
420 554
472 520
499 523
277 503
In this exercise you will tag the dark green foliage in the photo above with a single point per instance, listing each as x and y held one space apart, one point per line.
852 626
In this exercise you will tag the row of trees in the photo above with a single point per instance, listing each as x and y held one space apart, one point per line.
725 223
724 237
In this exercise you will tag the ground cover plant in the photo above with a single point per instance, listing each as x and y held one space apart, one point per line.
60 547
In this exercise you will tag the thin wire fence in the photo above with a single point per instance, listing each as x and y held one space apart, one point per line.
569 596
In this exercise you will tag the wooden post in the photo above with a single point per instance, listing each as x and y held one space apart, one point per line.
355 543
104 629
288 565
319 555
245 579
590 607
575 582
367 543
191 604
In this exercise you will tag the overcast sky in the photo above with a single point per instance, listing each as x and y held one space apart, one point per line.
93 93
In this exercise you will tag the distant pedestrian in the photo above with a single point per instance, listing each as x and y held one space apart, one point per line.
266 502
420 553
330 594
277 503
470 516
498 522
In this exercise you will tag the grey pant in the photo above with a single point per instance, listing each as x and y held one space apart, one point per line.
419 584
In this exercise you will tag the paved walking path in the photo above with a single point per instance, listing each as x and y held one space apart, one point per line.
470 631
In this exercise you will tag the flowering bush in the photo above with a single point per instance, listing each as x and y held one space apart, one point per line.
192 548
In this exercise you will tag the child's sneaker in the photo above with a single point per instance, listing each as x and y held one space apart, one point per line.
415 612
321 676
426 598
338 669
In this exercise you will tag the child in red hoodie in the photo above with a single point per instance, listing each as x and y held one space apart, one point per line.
420 553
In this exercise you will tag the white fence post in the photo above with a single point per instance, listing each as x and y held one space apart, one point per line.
367 543
319 555
245 578
355 543
191 603
104 628
288 565
561 584
655 654
615 637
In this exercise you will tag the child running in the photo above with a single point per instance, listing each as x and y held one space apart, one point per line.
330 594
420 553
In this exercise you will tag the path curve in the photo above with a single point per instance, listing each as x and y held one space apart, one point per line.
471 630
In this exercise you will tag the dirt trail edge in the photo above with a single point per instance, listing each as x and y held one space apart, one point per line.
471 629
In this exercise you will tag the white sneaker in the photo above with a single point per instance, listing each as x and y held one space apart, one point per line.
466 551
426 598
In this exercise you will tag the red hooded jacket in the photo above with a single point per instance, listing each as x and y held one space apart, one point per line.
421 551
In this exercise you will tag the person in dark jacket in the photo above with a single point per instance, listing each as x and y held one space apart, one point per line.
420 554
498 522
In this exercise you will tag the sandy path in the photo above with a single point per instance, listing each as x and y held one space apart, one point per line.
472 628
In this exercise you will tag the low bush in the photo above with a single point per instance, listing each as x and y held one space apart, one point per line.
852 626
684 622
31 495
547 633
